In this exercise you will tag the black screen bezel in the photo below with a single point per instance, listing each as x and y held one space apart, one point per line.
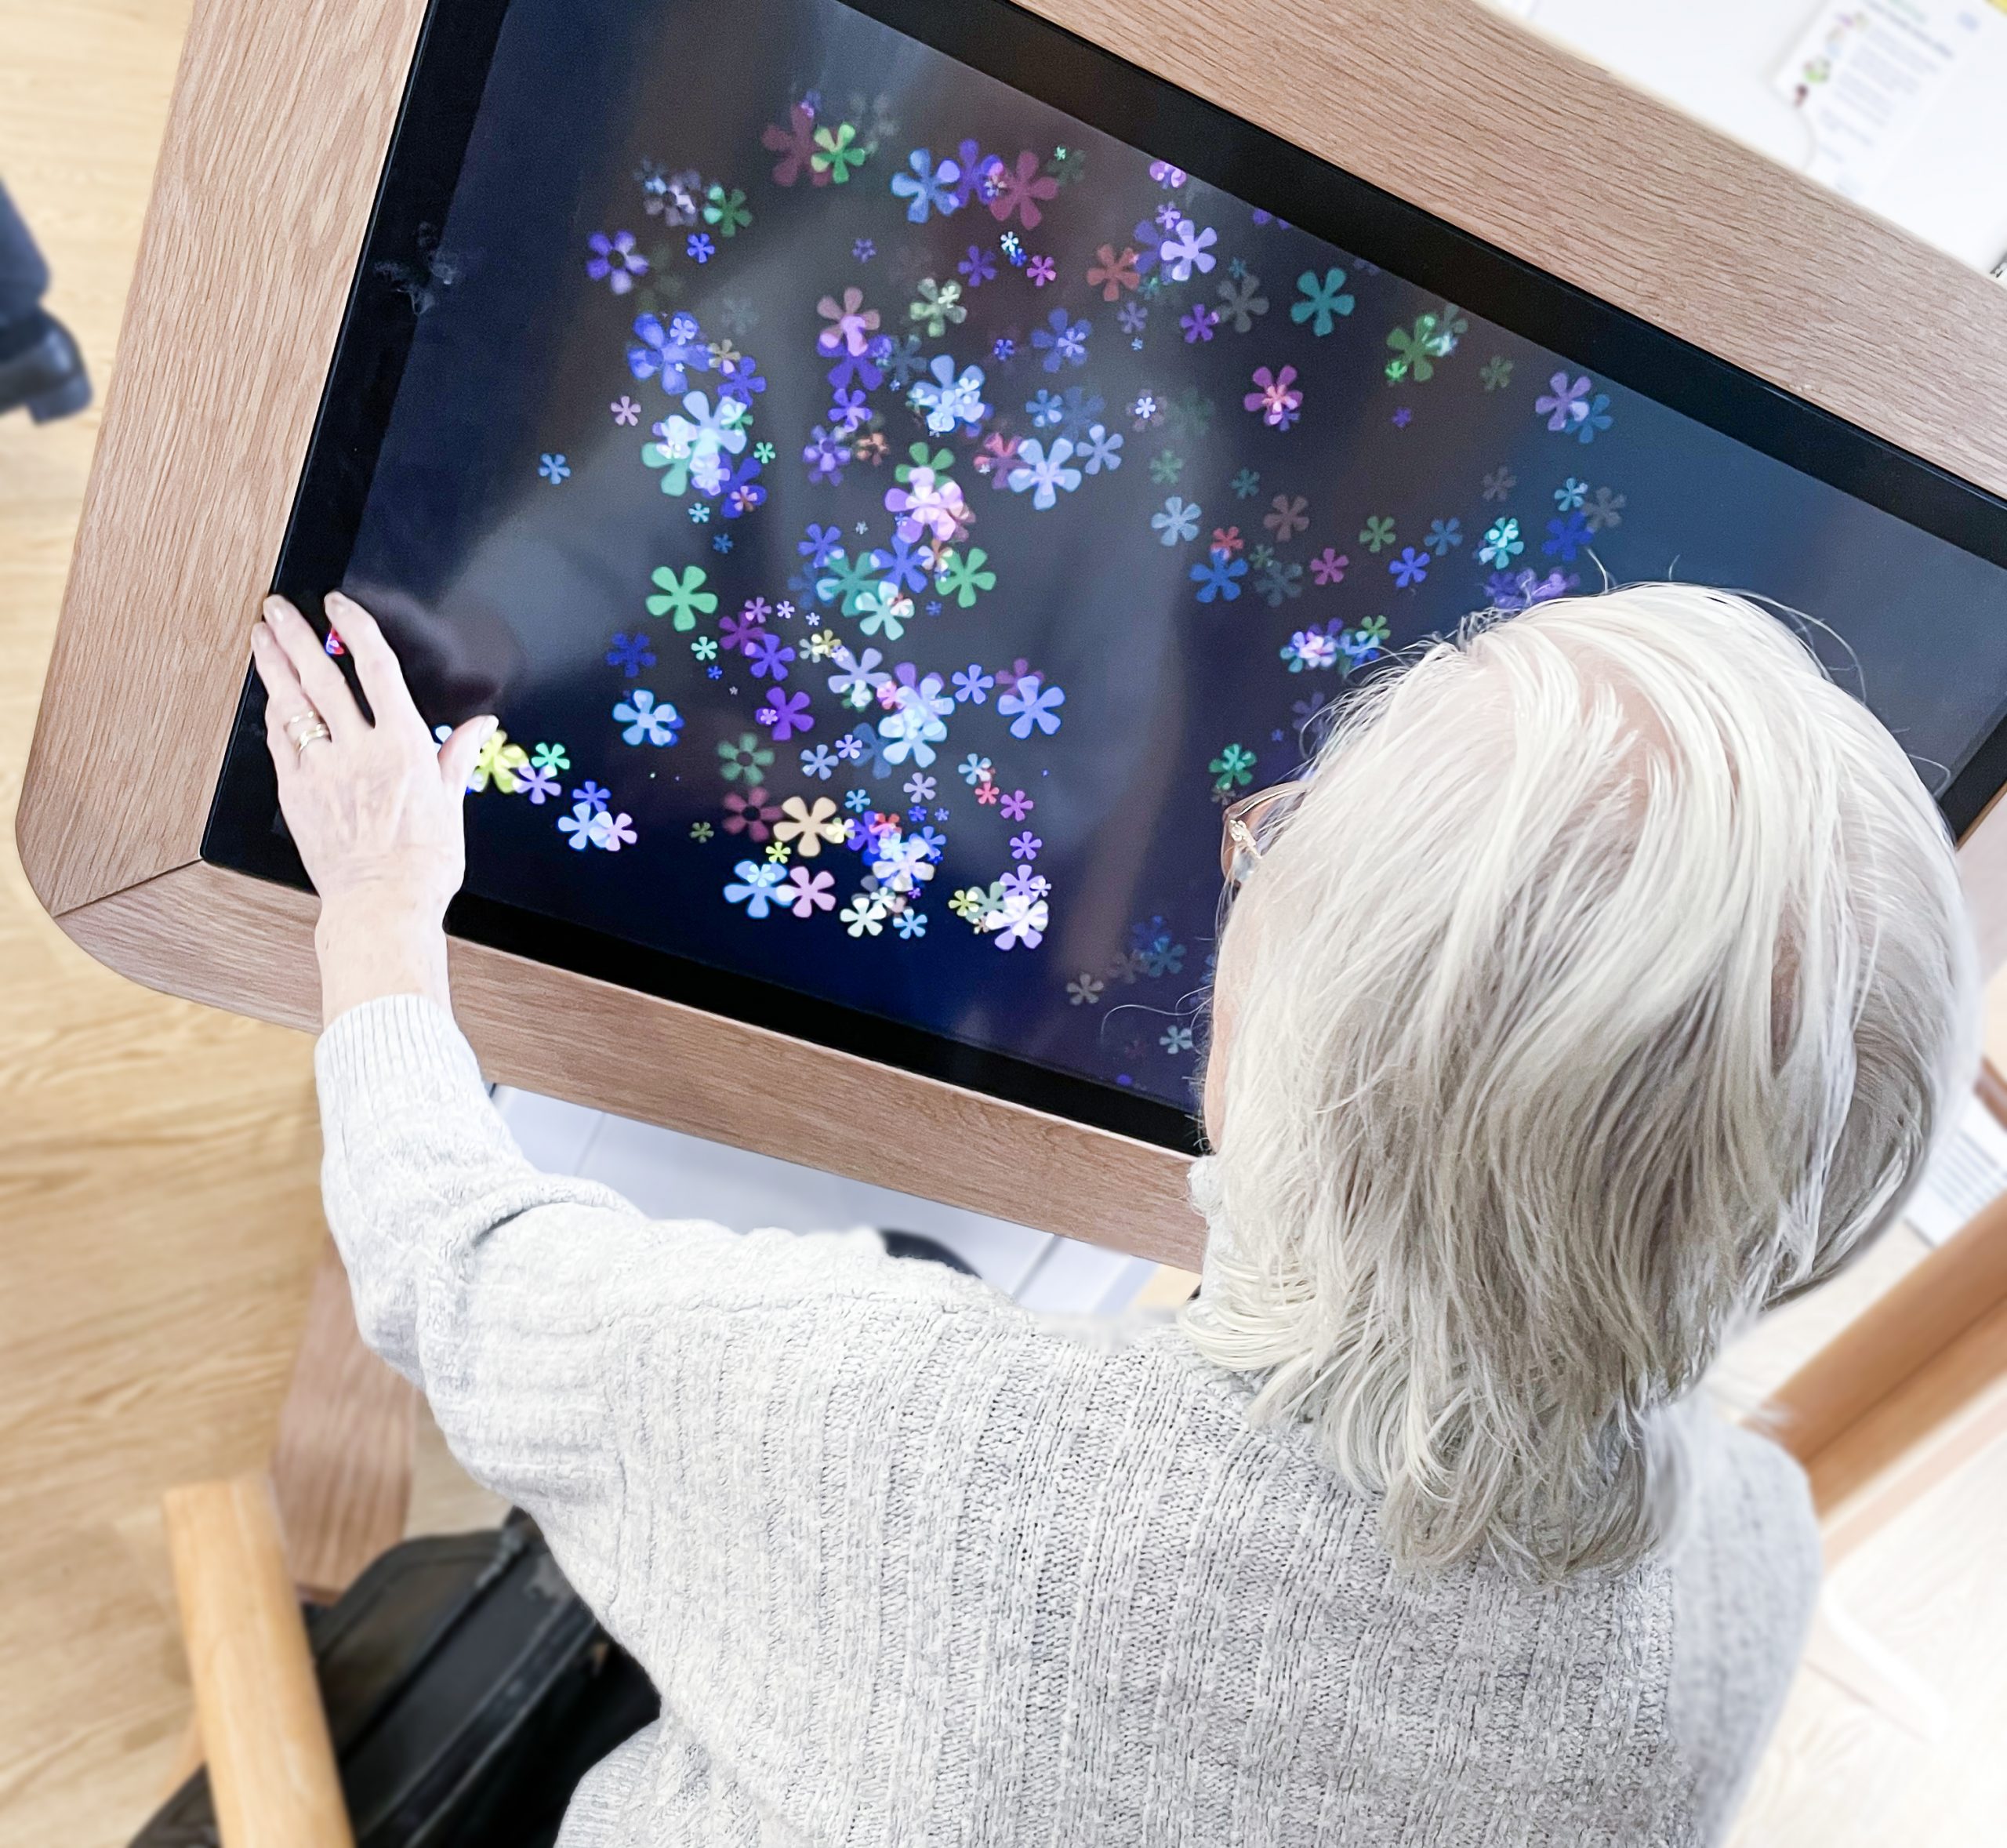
421 173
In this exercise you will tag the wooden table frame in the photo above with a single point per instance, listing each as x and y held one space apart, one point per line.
1912 1389
279 122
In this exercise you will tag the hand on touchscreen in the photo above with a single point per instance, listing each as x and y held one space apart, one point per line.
374 805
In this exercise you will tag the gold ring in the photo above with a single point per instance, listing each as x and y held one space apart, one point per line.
305 728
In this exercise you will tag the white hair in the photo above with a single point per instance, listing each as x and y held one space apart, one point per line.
1608 985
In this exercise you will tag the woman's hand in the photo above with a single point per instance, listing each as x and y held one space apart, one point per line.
374 809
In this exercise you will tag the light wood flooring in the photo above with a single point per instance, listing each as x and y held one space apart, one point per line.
159 1221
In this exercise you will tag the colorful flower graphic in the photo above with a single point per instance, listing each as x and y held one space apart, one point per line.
648 722
1288 516
1033 703
1219 577
837 155
615 261
754 886
1022 190
806 827
806 893
1063 340
681 597
1044 473
928 186
726 210
1187 251
745 758
851 324
1323 299
937 307
1113 273
1275 396
1178 522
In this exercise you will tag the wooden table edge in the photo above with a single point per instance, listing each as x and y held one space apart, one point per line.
212 935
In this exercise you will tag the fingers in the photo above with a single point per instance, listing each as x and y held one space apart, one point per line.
283 698
375 664
318 677
457 754
284 702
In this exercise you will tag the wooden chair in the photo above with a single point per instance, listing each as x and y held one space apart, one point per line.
1911 1389
245 1551
1905 1394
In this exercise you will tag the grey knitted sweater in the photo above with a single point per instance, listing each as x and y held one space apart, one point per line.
909 1565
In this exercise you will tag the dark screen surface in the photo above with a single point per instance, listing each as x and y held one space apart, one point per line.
892 514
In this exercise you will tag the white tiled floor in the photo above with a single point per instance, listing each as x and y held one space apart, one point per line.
678 1177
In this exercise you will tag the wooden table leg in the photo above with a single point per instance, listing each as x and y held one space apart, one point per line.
342 1465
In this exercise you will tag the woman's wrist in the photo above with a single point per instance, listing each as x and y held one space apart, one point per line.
371 945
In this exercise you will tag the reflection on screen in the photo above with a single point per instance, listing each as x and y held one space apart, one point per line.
893 519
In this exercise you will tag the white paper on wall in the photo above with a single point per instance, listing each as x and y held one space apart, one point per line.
1967 1173
1865 74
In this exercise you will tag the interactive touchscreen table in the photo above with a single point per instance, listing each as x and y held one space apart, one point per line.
898 470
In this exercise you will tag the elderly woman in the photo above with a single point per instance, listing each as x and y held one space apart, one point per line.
1602 983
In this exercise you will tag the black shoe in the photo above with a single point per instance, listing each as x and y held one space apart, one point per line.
46 375
928 1251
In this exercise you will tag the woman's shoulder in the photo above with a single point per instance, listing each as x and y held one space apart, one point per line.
1752 1496
1744 1578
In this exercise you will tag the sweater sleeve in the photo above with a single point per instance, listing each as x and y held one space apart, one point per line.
518 1301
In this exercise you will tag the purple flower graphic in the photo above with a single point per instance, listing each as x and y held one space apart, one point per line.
769 656
1411 568
785 715
1199 324
615 261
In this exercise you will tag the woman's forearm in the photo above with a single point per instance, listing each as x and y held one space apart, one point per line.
375 944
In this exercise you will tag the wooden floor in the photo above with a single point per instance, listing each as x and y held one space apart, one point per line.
159 1217
158 1221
